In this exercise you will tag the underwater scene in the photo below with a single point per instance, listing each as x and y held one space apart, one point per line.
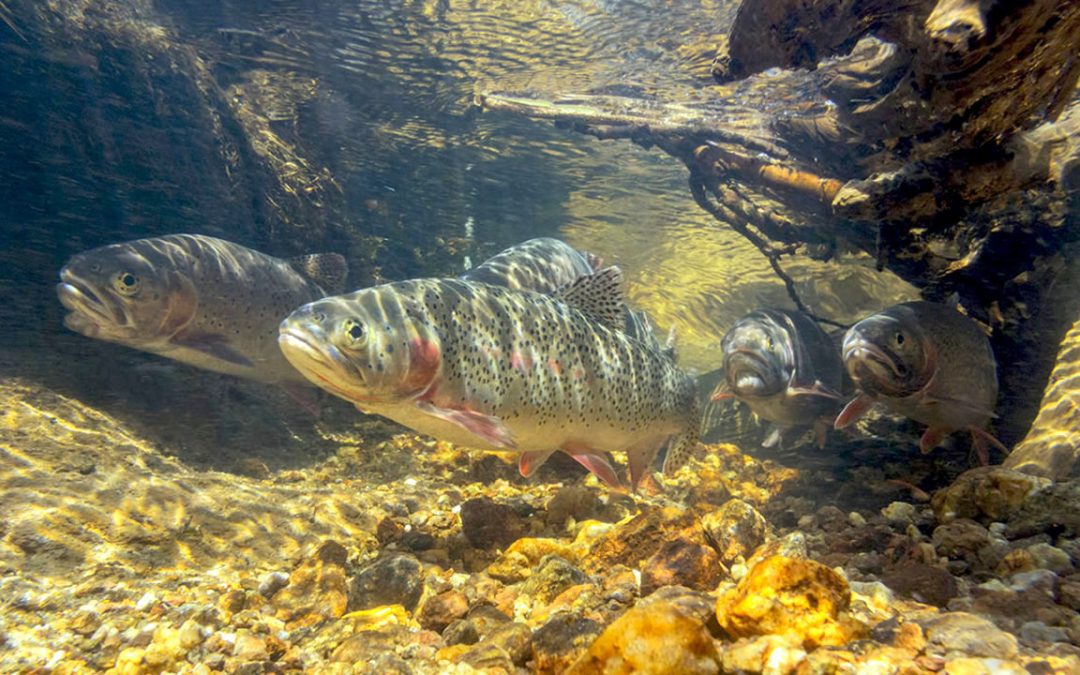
544 336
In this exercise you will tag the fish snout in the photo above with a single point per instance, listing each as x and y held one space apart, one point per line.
872 367
82 302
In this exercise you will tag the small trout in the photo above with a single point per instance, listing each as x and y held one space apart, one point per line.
203 301
786 369
494 368
928 362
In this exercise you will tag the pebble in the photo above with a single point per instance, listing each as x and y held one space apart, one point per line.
791 545
516 563
1033 633
394 579
147 601
988 492
489 524
633 542
684 563
976 666
272 582
734 530
440 610
552 576
512 639
959 634
899 514
773 654
561 641
249 647
1051 558
652 637
923 583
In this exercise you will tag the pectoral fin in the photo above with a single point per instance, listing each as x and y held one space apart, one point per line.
932 438
214 345
489 429
816 389
855 409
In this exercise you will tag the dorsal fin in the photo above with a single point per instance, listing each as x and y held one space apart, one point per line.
329 270
598 296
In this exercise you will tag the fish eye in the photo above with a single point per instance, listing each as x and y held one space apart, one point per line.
355 331
126 283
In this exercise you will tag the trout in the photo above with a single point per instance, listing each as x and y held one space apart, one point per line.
500 369
206 302
928 362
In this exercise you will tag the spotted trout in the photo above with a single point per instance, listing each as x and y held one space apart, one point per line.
786 369
928 362
203 301
548 265
543 264
500 369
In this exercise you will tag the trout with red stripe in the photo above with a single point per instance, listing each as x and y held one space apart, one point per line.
501 369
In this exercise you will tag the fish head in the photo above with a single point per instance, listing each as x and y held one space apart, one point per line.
887 354
757 358
123 294
363 347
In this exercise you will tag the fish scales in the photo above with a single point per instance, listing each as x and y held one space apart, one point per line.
437 354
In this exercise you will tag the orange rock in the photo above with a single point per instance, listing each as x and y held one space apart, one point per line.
653 638
634 541
785 596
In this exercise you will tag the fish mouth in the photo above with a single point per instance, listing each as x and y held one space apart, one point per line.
868 363
320 362
749 373
89 313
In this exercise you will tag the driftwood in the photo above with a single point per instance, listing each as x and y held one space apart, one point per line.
945 142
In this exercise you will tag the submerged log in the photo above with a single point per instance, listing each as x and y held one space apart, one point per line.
945 142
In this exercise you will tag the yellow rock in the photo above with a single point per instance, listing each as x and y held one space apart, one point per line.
380 617
129 662
784 596
653 638
518 560
755 654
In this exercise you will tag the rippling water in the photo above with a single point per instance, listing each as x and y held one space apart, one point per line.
393 108
381 95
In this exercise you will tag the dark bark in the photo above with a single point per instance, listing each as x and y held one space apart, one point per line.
935 144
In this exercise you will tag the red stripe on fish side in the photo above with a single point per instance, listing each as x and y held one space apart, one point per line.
424 360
